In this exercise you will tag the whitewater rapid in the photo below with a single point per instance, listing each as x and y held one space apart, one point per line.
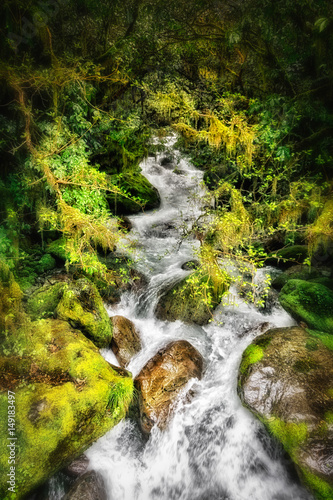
213 448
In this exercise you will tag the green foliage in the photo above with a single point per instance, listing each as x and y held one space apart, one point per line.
194 298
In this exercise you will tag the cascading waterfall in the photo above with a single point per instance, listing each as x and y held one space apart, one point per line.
213 448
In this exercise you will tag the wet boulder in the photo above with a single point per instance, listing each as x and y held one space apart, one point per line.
162 379
66 397
286 379
90 486
309 302
77 467
125 341
192 300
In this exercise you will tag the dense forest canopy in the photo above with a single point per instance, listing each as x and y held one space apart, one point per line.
247 85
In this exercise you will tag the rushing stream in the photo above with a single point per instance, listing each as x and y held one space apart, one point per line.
213 449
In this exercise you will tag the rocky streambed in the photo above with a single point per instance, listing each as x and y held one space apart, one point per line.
202 442
187 434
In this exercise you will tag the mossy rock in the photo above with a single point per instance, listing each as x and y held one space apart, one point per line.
328 282
142 194
302 272
187 300
309 302
81 305
66 397
287 257
299 272
35 263
57 248
286 380
44 301
76 301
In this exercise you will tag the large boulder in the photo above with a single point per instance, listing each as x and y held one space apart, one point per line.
76 301
90 486
125 341
65 397
286 379
192 300
309 302
161 380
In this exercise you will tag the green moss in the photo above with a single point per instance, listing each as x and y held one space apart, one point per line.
71 397
328 417
10 301
290 434
252 354
58 249
82 306
321 489
43 302
309 302
142 194
324 337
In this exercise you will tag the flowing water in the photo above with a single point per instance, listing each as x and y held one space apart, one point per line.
213 448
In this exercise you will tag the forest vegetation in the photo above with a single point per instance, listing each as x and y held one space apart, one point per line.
85 87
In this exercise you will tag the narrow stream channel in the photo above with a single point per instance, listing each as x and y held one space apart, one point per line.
213 449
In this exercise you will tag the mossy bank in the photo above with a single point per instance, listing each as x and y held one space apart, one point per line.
64 393
66 396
